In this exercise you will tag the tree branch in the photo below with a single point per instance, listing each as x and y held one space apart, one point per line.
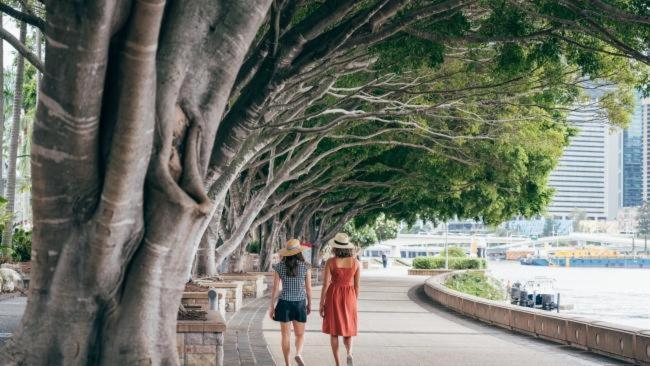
23 17
24 51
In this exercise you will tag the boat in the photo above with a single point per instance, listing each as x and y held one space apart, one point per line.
586 257
538 293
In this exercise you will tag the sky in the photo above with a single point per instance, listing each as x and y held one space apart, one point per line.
8 54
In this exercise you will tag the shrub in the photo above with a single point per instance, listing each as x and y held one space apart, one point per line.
454 252
454 263
22 245
424 263
477 284
253 247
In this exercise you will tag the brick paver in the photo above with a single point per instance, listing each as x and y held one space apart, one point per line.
244 343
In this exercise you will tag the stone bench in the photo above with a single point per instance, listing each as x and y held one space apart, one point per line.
233 292
254 284
200 342
201 300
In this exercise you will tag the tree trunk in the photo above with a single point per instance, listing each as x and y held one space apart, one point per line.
206 265
2 115
118 201
13 144
237 258
205 261
270 238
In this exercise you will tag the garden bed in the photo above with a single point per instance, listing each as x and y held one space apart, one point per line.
427 272
200 342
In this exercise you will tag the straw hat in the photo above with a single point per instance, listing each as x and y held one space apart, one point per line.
341 241
293 248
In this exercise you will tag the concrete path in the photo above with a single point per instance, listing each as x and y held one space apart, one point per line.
243 342
11 311
398 326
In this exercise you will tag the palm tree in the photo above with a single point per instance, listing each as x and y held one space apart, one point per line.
13 144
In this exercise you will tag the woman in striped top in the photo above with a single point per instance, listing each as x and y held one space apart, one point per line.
293 276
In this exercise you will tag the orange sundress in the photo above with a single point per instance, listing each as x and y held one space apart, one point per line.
341 302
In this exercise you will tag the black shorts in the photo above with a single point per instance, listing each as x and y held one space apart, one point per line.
287 311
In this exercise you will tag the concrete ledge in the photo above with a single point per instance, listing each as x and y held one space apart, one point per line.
230 292
213 323
617 341
200 342
254 285
427 272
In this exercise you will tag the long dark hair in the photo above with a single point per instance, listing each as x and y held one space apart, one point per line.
292 262
343 252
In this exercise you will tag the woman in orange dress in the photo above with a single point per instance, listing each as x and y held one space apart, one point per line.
338 304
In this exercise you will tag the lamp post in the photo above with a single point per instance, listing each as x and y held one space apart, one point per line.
446 248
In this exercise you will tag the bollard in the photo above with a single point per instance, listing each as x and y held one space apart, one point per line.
213 304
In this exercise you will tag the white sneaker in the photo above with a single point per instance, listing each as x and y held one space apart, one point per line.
299 360
350 361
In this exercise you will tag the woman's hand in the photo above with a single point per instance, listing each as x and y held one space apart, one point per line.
308 308
272 313
321 310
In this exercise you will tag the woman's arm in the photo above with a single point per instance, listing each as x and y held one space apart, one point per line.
326 284
308 290
274 293
357 278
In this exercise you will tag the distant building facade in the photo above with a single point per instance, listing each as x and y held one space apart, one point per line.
644 113
588 176
634 180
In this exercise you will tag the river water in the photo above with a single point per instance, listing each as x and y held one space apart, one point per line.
617 295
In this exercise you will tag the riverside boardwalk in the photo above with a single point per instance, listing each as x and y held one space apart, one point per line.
398 326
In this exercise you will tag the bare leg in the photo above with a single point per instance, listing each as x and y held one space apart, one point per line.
334 342
347 341
299 333
285 328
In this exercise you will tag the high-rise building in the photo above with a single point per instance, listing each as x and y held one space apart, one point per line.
633 157
644 113
588 176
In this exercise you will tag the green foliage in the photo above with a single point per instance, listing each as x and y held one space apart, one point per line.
254 247
5 253
405 53
365 233
454 263
643 225
477 284
22 245
548 226
454 252
364 236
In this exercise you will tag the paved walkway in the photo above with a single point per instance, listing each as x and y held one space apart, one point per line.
11 310
398 326
244 343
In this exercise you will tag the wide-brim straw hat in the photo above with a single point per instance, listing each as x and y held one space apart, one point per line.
341 241
293 247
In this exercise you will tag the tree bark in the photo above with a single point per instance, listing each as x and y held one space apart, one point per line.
117 192
270 239
206 265
13 144
2 115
